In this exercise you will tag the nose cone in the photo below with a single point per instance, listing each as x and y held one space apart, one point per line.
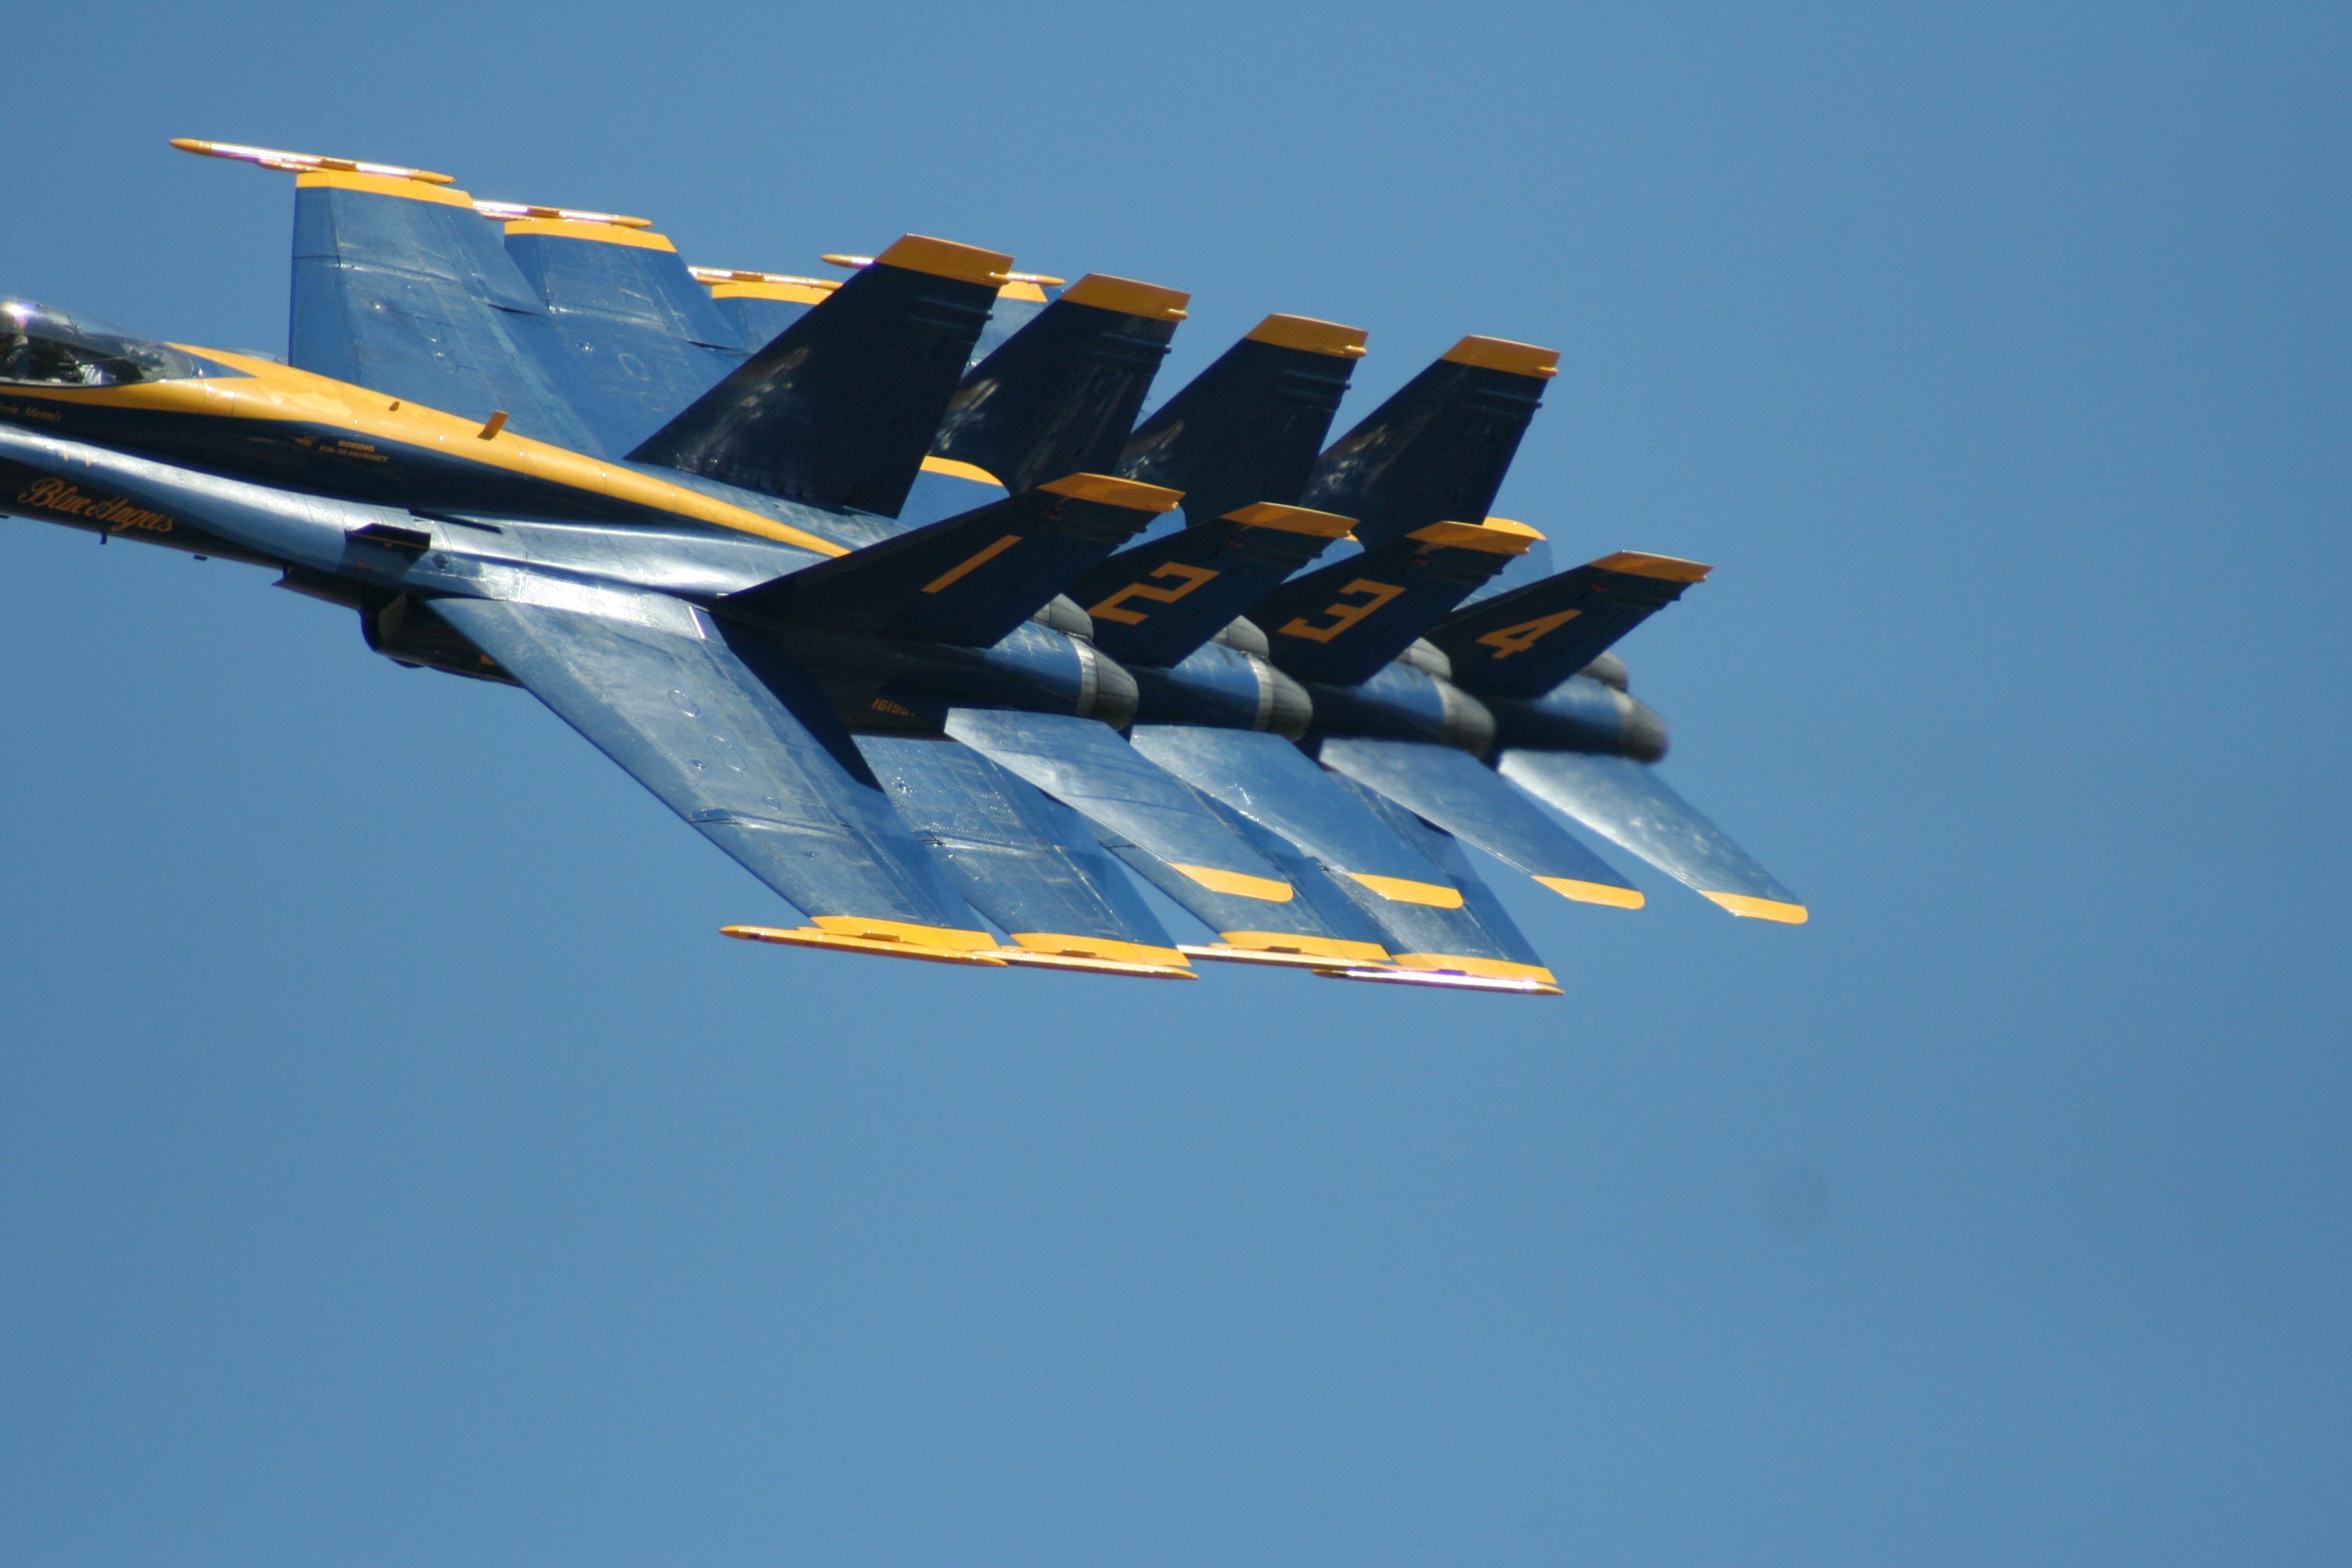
1641 734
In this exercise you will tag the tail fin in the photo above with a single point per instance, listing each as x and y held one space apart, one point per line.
1341 623
1438 448
638 339
1165 598
839 410
1061 394
1525 642
400 288
971 579
1247 429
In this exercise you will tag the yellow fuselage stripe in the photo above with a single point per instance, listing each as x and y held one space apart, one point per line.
280 392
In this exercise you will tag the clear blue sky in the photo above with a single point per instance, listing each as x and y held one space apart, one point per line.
397 1167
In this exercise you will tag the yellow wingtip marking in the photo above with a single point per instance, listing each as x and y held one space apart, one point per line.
880 946
1285 946
1404 890
904 931
945 258
1594 892
954 470
1501 354
1127 297
1239 884
1485 968
1315 337
1761 908
1495 536
617 232
402 186
1293 519
1666 568
1129 493
1106 948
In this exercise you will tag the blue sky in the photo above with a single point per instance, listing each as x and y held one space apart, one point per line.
396 1166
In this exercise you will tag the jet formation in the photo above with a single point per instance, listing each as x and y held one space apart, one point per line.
888 587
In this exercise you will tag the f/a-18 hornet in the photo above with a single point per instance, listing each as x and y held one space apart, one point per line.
881 585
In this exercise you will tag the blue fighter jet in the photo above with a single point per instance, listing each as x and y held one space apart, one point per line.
887 585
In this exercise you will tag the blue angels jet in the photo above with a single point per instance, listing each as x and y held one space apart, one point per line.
888 587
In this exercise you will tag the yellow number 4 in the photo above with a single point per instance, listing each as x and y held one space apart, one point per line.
1525 635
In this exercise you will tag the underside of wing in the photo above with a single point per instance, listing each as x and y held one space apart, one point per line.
1628 803
740 746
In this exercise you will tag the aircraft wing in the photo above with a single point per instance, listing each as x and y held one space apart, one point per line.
742 747
1024 860
1625 801
1453 789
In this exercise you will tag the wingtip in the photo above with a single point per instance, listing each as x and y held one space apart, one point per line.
1756 909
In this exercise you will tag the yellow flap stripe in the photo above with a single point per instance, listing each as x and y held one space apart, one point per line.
1594 892
945 258
1239 884
276 392
1293 519
1027 293
1127 297
1128 493
1315 337
1501 354
1404 890
1761 908
1486 968
1495 536
382 186
1665 567
601 233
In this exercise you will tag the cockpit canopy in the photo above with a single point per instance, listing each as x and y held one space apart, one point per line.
41 345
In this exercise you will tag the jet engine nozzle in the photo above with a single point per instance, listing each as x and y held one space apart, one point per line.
1580 714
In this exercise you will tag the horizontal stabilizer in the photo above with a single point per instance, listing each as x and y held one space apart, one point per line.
1248 428
1525 642
971 579
1060 396
840 408
638 339
1086 766
1438 448
1461 795
400 288
1624 801
1272 783
1024 860
1169 596
740 745
1341 623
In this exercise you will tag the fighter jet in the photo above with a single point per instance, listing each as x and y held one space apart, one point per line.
883 585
